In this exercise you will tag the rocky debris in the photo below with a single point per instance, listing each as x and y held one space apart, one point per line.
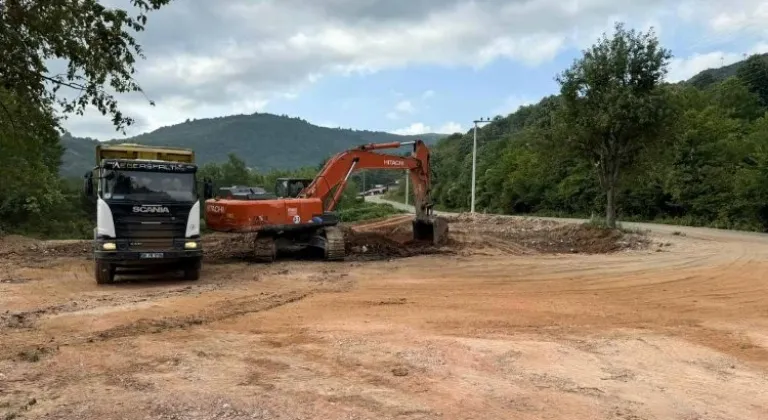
17 246
219 248
400 371
375 245
549 236
381 241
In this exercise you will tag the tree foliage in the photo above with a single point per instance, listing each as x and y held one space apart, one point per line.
704 161
754 73
94 41
613 105
707 164
100 53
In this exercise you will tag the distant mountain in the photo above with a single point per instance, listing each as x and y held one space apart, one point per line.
711 76
78 155
263 141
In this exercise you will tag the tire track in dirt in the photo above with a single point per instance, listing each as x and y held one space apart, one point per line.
16 344
220 311
29 318
505 334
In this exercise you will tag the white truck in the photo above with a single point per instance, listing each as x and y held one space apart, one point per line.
147 210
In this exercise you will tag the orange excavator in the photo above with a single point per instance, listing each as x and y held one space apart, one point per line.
300 215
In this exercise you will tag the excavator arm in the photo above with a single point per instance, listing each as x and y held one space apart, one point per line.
329 184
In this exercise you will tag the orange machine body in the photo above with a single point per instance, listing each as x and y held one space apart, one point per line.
312 208
226 215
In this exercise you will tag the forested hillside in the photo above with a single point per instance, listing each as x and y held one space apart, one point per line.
711 76
703 162
617 140
36 199
263 141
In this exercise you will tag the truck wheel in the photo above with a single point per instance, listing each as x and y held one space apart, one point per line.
192 270
104 272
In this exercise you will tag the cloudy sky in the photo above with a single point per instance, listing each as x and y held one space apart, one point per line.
404 66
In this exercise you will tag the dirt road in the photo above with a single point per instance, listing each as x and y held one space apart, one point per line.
513 320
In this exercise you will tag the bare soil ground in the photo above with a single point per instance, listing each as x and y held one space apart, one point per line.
511 319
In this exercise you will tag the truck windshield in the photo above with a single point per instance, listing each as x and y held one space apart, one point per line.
138 185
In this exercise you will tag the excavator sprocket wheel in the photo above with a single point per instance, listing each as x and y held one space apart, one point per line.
265 249
334 244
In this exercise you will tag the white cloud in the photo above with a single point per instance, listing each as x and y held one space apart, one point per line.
685 68
511 104
449 128
727 20
210 57
415 128
405 107
741 14
421 128
401 108
428 94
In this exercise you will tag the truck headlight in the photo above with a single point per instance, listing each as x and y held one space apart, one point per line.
190 245
109 246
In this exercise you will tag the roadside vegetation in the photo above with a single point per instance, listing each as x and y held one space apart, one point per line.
618 140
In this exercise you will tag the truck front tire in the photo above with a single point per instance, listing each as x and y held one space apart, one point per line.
104 272
192 270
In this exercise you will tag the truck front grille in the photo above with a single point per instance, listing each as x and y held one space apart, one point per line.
149 244
150 232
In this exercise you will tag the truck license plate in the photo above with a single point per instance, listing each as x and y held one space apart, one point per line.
151 255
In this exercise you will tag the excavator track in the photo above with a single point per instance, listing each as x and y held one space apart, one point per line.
265 249
334 244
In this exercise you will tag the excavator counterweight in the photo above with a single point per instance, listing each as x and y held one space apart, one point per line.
301 215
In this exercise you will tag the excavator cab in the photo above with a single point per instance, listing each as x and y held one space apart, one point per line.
290 187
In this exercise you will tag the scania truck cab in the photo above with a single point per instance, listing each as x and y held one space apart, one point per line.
147 210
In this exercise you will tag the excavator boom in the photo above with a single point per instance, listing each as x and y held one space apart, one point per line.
306 218
339 168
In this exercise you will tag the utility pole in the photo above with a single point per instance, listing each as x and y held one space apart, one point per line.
474 159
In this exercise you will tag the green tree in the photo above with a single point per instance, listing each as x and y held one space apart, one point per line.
613 105
735 98
94 39
30 159
754 72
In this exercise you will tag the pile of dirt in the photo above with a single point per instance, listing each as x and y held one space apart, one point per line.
18 246
582 239
220 248
548 236
12 243
392 242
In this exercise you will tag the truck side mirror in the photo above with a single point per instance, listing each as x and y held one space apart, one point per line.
88 184
207 189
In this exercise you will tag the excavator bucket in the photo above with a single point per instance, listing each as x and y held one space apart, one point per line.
434 229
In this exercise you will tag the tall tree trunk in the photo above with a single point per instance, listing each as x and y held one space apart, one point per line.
610 205
611 183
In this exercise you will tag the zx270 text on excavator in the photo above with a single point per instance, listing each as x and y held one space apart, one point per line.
301 216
